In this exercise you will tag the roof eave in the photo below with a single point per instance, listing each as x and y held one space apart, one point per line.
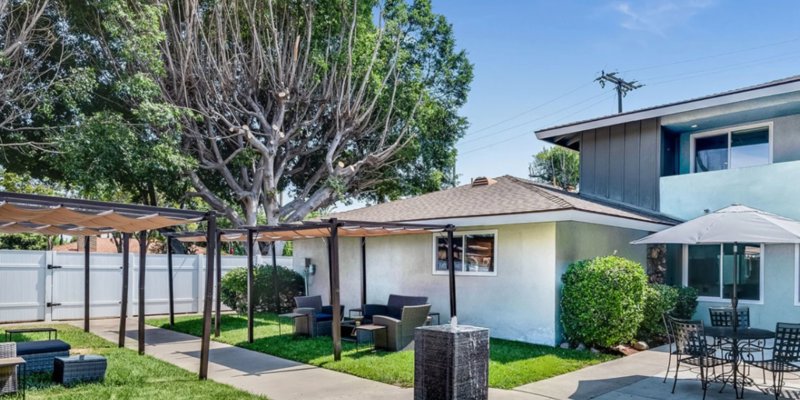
744 94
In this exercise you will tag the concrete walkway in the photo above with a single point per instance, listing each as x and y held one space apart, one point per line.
635 377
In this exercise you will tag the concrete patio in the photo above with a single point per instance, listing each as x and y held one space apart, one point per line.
635 377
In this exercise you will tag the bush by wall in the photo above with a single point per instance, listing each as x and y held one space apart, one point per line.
685 303
233 291
602 301
658 299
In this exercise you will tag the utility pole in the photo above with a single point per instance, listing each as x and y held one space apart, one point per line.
622 86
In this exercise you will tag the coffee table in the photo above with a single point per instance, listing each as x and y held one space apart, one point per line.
17 362
371 328
293 316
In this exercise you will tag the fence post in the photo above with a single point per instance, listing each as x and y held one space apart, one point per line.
48 285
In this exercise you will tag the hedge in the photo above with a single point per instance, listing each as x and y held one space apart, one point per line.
603 301
233 291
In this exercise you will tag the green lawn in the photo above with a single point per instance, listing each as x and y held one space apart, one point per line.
512 363
129 375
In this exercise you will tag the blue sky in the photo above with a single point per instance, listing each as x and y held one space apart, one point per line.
535 62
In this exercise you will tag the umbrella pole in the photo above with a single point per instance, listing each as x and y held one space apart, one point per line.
734 296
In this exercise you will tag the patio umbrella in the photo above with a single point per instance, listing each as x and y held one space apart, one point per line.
734 224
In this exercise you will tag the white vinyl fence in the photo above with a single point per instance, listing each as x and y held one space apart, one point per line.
48 285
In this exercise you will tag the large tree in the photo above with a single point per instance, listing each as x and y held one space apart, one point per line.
323 99
238 101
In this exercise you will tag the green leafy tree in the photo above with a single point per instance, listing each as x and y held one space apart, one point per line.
556 166
235 102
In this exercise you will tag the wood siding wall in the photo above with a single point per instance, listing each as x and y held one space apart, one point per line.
621 163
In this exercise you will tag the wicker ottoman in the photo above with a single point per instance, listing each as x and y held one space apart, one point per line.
40 354
70 370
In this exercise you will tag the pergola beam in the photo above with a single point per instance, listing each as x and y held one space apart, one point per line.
86 282
123 312
206 339
97 206
142 270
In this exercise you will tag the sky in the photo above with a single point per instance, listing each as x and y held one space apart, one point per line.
535 62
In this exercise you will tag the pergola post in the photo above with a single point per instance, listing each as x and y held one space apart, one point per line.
123 312
363 270
170 283
452 274
86 279
217 301
333 259
275 277
250 277
211 234
142 264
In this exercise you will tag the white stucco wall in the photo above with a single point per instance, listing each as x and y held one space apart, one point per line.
518 303
579 241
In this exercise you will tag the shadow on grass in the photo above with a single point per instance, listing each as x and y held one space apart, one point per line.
509 351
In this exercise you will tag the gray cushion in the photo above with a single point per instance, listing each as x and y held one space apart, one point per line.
397 302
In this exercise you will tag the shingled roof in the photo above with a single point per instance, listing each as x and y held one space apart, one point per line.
501 196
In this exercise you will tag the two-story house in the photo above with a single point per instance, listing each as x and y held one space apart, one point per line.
686 158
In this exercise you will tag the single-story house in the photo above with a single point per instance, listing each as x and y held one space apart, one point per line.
514 239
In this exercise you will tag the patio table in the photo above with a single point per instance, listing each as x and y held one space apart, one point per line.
741 334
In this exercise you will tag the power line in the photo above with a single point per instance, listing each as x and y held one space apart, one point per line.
689 60
515 116
528 133
488 135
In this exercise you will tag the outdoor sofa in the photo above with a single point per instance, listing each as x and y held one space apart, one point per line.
393 308
319 317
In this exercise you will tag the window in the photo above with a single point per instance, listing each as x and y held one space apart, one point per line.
709 269
739 148
474 253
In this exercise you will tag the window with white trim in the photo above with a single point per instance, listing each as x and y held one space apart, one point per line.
731 148
474 253
709 269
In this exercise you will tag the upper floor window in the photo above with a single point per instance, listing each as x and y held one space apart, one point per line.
732 148
474 253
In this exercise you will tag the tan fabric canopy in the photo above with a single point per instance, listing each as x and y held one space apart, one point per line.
63 220
15 227
320 230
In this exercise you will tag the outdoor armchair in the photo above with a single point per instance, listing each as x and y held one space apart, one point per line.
318 322
399 333
393 308
8 375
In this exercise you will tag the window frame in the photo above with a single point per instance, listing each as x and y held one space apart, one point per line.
797 274
720 299
728 131
462 234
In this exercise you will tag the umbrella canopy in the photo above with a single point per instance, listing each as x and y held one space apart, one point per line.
731 224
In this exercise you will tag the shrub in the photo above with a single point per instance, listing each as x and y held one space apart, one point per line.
658 299
233 291
602 300
686 303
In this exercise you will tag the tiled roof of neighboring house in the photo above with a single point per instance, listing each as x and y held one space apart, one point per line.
543 133
507 195
107 245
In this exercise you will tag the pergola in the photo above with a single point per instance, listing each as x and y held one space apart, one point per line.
332 229
49 215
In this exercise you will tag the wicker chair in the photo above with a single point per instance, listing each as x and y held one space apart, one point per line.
692 349
8 376
399 333
319 318
785 355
